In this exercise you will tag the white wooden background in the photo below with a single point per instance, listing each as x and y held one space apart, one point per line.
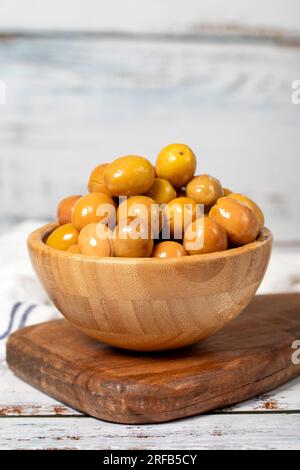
140 16
132 76
90 80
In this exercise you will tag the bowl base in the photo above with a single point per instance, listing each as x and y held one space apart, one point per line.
149 343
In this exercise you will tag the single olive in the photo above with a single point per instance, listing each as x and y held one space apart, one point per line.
178 214
65 208
204 189
129 176
132 239
136 206
177 164
93 208
161 191
237 219
96 183
142 207
95 240
63 237
252 205
168 249
205 235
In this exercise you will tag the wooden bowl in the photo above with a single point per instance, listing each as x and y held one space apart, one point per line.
150 304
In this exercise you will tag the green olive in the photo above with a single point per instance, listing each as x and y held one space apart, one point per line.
168 249
132 239
63 237
205 235
96 184
93 208
95 240
176 163
252 205
178 214
161 191
129 176
204 189
143 207
237 219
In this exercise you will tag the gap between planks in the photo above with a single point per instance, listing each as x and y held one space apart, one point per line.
204 33
217 413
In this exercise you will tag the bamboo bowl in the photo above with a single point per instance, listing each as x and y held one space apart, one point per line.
150 304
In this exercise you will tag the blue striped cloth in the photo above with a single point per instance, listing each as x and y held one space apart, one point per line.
23 314
17 318
23 301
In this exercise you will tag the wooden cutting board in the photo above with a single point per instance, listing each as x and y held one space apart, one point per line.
250 356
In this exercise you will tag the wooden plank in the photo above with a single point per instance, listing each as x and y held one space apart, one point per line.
20 399
276 431
68 100
283 399
251 355
155 16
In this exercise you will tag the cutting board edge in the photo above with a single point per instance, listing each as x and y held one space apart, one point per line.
100 405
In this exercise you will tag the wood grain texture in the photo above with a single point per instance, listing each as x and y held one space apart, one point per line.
251 356
150 304
75 102
19 399
243 432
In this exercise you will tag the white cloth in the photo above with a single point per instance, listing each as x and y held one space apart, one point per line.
23 301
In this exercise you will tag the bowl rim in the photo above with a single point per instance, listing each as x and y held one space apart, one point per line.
36 243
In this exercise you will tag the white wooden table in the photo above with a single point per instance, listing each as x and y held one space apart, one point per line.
228 67
32 420
217 76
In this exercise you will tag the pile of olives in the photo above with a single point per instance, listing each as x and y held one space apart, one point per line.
134 209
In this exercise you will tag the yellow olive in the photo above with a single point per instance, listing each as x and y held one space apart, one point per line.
204 189
74 249
178 214
168 249
252 205
129 176
96 184
95 240
205 235
161 191
237 219
143 207
132 239
65 209
63 237
176 163
93 208
226 191
135 206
